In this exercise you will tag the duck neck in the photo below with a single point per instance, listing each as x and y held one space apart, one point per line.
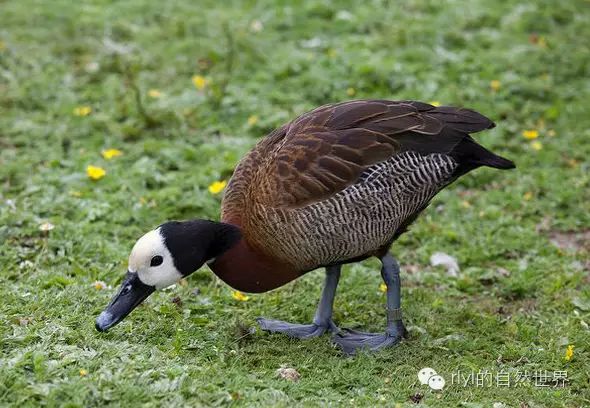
224 237
246 268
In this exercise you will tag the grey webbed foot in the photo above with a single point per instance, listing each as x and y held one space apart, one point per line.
351 341
322 321
300 331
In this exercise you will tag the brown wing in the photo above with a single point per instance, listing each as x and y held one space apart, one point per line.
325 150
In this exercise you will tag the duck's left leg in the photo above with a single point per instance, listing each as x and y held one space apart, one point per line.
322 321
350 340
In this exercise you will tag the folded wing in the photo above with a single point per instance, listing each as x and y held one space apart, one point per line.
324 151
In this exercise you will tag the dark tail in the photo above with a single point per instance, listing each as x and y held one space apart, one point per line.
467 152
470 155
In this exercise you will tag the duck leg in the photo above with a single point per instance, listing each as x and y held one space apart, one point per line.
322 321
350 340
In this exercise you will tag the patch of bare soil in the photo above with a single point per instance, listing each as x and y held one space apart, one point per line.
571 240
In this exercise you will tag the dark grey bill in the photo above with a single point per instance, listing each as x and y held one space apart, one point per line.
133 291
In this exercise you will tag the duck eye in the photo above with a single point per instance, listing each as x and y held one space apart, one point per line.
156 260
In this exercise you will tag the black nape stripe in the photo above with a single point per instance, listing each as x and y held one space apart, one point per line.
194 242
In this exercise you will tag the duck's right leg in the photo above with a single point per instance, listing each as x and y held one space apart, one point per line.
351 340
322 321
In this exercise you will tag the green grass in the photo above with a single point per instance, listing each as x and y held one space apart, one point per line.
55 56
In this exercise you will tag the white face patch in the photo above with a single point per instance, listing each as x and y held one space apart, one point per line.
146 247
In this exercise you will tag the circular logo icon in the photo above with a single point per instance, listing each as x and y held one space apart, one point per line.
425 374
436 382
429 376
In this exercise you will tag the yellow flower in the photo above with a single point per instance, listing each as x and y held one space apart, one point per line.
95 172
542 42
465 204
110 153
530 134
217 186
434 103
536 145
527 196
154 93
200 82
82 110
83 373
350 91
569 353
99 285
383 287
237 295
495 85
76 194
252 120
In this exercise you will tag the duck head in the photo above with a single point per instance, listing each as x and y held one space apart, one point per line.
162 257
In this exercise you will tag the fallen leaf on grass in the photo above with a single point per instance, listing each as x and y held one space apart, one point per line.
46 227
416 329
26 264
446 260
256 26
450 337
544 225
583 305
154 93
412 268
288 373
